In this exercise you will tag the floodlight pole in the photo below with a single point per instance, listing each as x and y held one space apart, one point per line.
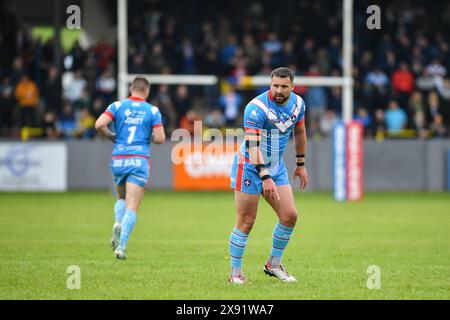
122 38
347 94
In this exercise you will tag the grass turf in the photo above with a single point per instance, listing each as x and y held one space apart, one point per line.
179 248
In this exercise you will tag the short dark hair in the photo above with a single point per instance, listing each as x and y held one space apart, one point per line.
140 84
282 72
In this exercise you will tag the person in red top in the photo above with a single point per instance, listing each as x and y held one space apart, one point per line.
403 79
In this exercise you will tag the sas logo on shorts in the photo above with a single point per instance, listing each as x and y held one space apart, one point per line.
247 182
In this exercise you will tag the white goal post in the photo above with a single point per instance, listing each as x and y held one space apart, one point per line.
346 81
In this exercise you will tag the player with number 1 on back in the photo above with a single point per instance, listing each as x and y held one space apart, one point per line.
136 123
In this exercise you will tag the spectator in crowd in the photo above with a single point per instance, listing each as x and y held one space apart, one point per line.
74 87
6 105
66 123
403 83
437 127
396 118
52 91
49 125
188 121
231 103
215 119
27 96
425 83
106 85
182 101
85 124
98 107
327 122
436 69
365 119
315 97
163 100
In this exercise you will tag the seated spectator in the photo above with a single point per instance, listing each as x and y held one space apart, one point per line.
436 69
106 85
327 122
437 127
49 125
66 123
85 124
188 121
182 101
419 123
73 88
364 117
231 102
425 82
379 125
403 81
98 107
396 118
215 119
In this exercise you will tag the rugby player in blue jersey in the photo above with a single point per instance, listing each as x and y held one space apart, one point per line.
136 123
269 121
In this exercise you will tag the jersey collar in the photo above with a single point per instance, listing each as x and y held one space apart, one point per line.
135 98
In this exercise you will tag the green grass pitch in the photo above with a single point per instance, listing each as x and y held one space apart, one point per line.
179 248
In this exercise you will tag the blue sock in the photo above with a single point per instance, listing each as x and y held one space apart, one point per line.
280 238
119 210
238 241
127 227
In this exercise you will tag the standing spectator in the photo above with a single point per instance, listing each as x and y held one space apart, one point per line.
27 96
396 118
52 91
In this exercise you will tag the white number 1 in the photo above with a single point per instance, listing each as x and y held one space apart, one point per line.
132 132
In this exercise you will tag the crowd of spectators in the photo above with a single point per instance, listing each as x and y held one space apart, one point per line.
402 85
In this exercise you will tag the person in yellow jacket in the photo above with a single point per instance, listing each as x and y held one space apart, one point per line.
27 96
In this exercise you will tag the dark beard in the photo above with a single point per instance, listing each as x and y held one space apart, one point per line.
283 99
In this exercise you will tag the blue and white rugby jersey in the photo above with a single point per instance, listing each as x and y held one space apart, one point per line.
134 120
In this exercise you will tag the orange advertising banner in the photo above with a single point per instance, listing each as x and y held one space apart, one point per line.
202 167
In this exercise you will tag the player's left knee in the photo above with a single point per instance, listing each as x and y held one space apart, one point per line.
290 218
